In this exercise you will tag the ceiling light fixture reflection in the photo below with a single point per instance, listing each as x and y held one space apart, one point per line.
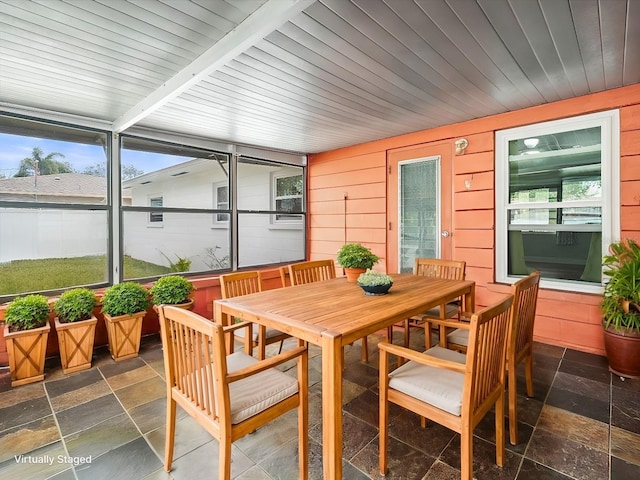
531 142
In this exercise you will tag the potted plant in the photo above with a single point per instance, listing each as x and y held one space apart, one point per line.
76 328
375 283
124 306
356 259
621 308
26 332
172 290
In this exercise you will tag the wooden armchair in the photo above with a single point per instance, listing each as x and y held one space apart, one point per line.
316 271
244 283
438 268
456 395
519 343
230 396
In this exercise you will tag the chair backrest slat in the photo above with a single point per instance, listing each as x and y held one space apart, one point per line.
525 292
240 283
194 354
486 353
436 267
312 271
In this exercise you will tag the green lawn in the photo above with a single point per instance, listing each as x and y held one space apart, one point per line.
55 273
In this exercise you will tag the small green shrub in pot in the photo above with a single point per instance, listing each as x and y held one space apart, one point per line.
354 255
27 313
171 290
75 305
125 299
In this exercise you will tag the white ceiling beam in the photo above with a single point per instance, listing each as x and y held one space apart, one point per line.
254 28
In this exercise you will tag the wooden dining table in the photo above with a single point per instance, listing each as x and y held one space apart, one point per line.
334 313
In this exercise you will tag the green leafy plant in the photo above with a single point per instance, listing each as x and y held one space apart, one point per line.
125 299
621 300
75 305
172 289
371 278
183 264
27 313
354 255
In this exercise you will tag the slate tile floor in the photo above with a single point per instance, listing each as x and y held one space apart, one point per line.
583 423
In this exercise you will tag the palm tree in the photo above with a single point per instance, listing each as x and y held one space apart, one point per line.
38 164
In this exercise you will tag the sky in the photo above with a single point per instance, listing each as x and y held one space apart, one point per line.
14 148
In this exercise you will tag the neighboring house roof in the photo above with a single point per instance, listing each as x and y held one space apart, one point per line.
59 186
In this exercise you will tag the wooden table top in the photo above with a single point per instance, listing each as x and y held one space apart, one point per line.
336 307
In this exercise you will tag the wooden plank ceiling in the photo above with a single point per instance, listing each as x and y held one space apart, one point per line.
308 76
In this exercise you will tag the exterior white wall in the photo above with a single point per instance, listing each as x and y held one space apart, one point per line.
190 235
31 234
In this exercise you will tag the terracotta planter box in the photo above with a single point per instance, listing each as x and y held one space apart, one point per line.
76 344
26 351
124 332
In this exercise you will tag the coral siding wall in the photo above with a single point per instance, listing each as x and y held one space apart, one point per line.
564 318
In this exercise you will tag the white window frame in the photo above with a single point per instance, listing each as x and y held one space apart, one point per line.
216 205
289 222
150 221
609 122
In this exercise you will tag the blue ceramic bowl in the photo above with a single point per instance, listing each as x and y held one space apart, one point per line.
376 289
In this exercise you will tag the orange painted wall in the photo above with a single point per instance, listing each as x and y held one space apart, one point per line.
359 172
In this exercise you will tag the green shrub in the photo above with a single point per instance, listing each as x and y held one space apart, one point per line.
75 305
125 299
171 290
354 255
26 313
621 299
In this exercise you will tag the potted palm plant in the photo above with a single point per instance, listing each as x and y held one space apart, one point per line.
26 332
621 308
356 259
172 290
124 306
76 327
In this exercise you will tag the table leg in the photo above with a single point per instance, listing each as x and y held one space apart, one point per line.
332 406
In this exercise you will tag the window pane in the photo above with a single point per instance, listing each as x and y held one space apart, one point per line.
260 243
47 249
261 184
46 163
182 176
556 216
557 167
567 255
419 212
185 243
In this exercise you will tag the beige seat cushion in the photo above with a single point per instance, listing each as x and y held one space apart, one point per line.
446 354
439 387
256 393
450 310
271 332
459 336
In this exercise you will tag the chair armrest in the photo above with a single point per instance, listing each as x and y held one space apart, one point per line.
421 358
236 326
449 323
266 364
